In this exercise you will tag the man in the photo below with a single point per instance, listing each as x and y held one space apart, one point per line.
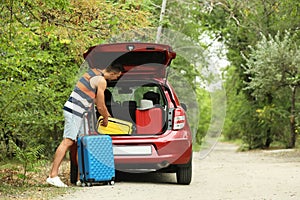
88 90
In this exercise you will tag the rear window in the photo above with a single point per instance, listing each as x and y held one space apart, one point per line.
122 93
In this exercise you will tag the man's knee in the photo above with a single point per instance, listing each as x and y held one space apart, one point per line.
67 142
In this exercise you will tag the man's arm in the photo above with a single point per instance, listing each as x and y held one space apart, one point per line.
100 101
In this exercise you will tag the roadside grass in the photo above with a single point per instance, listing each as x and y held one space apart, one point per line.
274 145
241 145
43 192
298 142
196 147
14 185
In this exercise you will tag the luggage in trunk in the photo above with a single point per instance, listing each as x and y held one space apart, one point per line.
149 121
115 127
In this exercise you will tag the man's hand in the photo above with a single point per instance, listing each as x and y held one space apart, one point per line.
104 121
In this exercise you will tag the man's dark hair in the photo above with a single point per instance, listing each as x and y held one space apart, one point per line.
115 67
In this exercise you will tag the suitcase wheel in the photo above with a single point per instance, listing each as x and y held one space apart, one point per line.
86 184
111 182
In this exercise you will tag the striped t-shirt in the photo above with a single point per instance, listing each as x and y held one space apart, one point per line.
83 94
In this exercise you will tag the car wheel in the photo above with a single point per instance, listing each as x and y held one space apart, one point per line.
73 165
73 172
184 174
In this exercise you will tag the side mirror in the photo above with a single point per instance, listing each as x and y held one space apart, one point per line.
183 105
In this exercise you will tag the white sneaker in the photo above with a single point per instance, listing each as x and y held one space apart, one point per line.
78 183
56 182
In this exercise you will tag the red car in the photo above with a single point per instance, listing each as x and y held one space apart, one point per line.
161 139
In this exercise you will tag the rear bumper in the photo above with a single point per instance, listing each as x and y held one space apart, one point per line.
153 152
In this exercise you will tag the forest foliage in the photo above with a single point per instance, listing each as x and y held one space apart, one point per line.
262 79
41 49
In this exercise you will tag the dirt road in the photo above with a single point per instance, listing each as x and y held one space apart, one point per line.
224 174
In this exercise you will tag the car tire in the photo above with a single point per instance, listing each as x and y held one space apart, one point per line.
184 174
73 169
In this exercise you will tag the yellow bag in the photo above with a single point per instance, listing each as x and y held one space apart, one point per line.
115 127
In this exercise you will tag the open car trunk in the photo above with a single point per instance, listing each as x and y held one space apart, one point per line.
123 100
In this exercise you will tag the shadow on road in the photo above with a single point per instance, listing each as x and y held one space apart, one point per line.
150 177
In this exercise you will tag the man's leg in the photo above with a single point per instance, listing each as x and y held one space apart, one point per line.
59 155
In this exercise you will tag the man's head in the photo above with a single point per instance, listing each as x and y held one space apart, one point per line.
113 71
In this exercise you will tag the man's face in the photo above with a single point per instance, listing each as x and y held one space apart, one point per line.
114 75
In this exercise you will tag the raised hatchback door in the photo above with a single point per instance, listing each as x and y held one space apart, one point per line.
140 60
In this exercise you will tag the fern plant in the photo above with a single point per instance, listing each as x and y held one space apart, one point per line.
30 158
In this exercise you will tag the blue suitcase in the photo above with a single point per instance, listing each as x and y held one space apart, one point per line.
96 160
95 155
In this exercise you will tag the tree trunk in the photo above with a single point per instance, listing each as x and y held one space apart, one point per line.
269 137
292 120
162 14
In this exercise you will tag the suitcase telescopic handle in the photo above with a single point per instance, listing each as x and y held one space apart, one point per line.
89 119
85 119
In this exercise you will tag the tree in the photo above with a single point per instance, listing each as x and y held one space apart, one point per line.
273 66
240 24
41 47
198 67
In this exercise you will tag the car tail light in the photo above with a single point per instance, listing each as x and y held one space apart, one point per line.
179 119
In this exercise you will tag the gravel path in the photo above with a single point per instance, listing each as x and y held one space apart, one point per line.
224 174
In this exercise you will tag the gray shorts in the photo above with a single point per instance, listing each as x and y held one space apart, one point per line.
73 126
